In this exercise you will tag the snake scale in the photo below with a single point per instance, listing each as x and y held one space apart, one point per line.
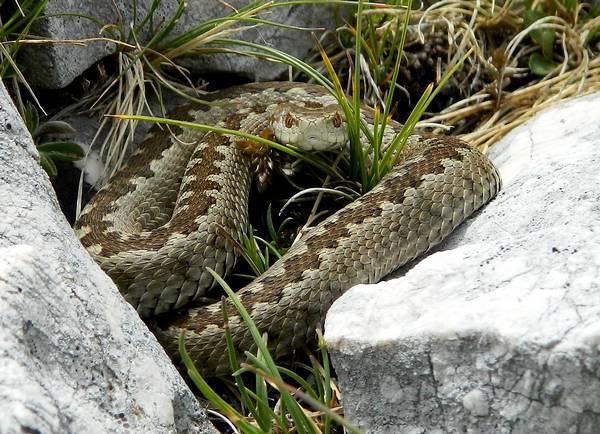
159 221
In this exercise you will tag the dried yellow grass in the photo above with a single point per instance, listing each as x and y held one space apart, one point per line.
496 109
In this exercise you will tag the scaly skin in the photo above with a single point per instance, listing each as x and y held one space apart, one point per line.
156 251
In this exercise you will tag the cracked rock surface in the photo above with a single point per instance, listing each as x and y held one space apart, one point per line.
54 66
74 356
499 329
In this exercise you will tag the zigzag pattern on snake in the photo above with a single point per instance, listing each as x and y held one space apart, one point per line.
158 223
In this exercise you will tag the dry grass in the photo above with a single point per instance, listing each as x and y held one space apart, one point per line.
500 105
495 90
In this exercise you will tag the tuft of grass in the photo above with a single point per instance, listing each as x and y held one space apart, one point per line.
260 253
368 164
302 408
14 31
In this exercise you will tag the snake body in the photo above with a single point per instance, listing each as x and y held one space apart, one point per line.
159 222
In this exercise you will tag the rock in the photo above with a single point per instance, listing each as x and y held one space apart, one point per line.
499 329
74 356
55 66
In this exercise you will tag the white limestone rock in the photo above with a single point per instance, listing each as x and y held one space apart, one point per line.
499 329
54 66
74 356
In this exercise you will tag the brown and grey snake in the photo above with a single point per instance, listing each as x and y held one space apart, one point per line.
157 224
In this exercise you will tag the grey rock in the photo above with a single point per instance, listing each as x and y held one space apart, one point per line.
54 66
74 357
499 329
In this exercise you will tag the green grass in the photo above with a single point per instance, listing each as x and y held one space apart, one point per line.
44 135
14 30
295 405
260 253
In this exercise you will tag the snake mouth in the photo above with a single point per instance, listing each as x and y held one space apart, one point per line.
316 143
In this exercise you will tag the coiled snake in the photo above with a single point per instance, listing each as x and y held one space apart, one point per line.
158 223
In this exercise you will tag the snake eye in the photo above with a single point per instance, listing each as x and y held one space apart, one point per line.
289 120
337 120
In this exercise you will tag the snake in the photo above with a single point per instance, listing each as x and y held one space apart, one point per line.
159 223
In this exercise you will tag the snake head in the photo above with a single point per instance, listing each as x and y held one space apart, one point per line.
313 128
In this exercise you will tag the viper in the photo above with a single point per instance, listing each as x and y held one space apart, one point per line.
160 221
